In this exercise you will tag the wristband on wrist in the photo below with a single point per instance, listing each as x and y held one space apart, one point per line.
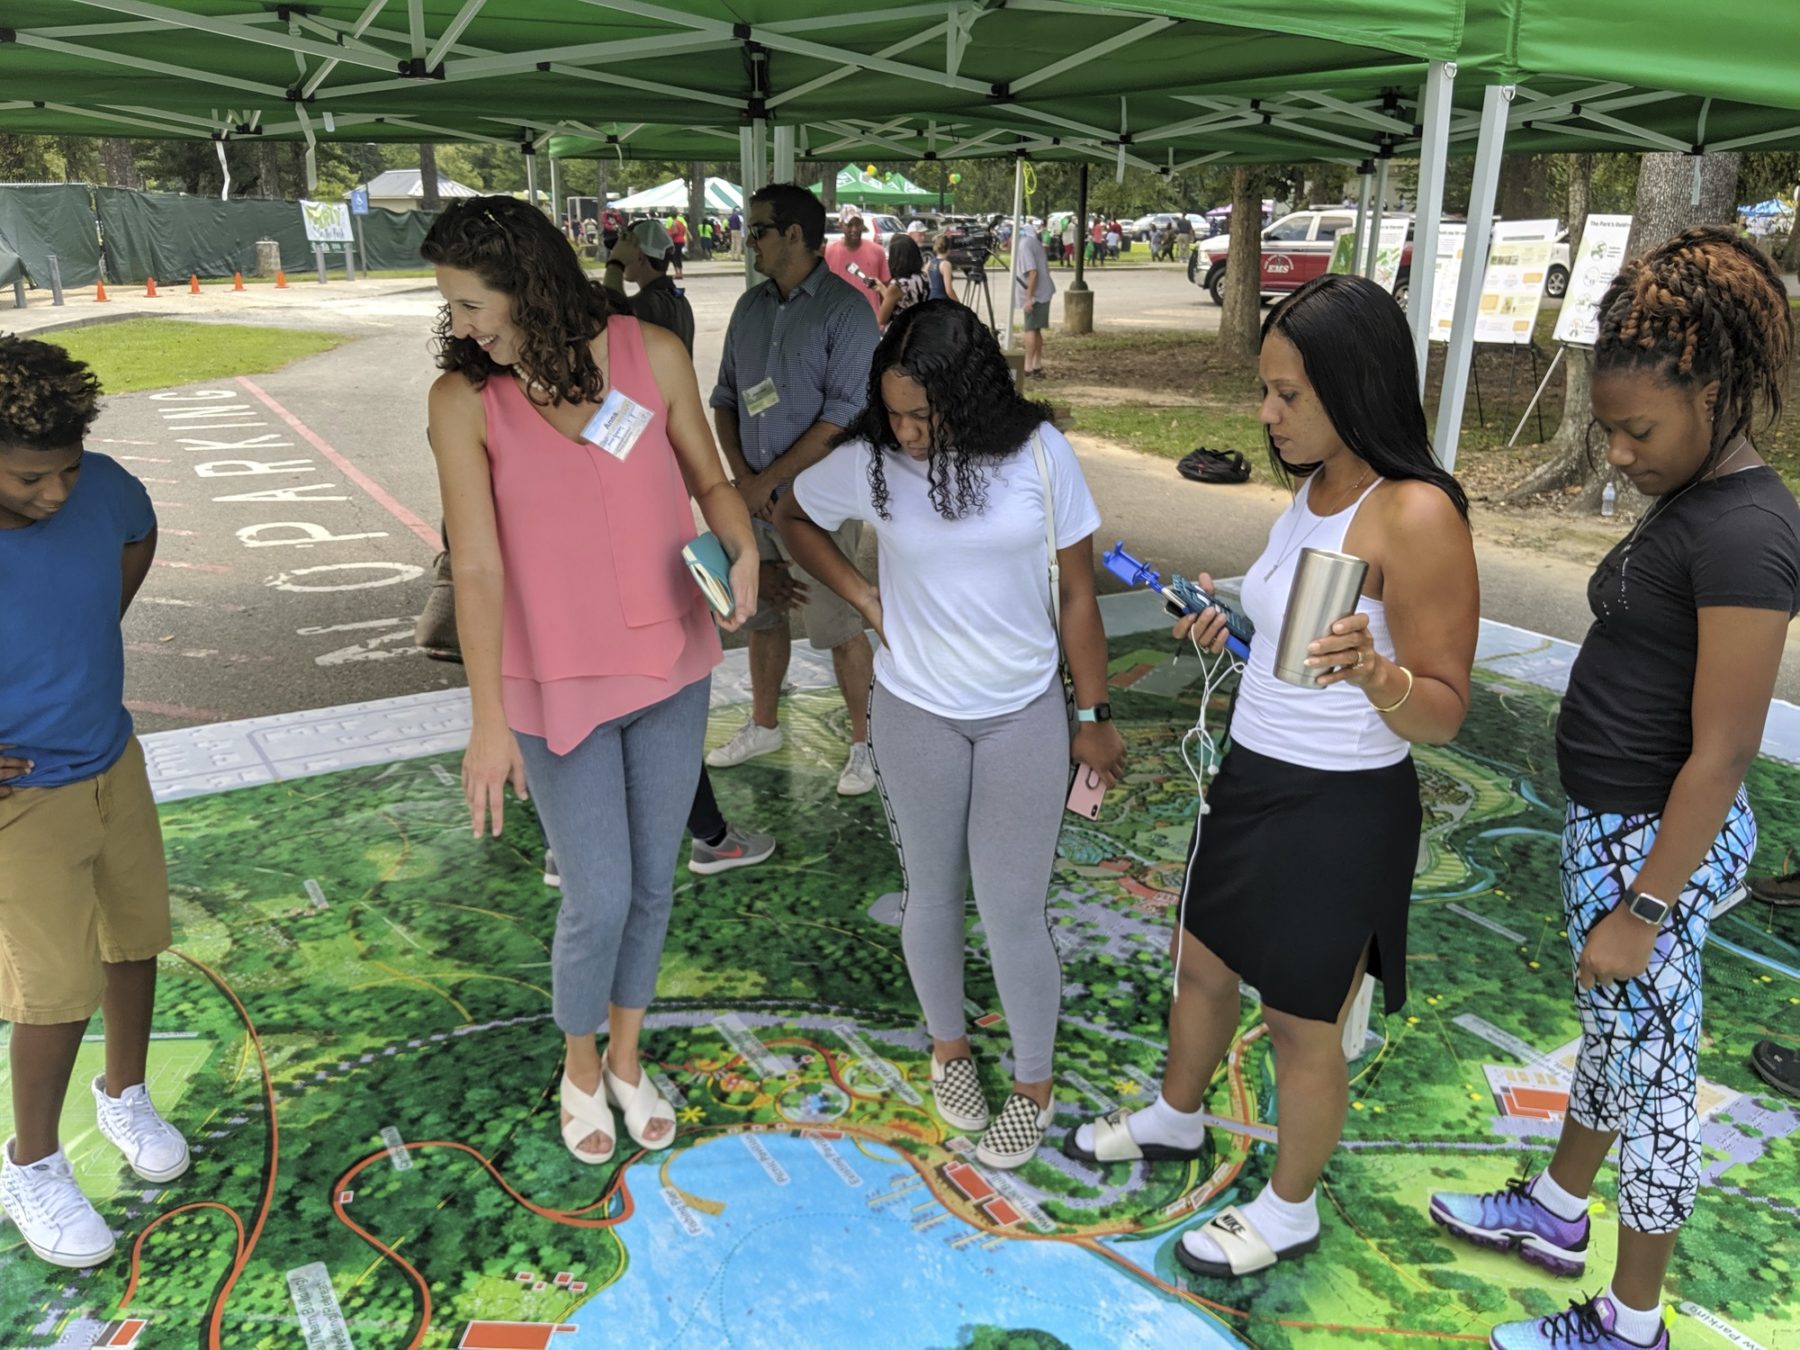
1401 702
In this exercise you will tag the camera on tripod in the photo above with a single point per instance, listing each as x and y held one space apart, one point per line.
970 248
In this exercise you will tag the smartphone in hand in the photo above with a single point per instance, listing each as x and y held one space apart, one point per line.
1087 792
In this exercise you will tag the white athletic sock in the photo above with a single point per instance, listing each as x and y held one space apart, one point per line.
1635 1324
1282 1224
1554 1198
1157 1123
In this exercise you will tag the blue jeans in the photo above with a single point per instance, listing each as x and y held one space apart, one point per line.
613 809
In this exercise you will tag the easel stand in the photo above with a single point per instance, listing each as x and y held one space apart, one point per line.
1512 365
1543 384
975 279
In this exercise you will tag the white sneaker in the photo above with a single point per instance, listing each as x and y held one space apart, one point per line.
749 741
56 1220
552 873
858 776
153 1148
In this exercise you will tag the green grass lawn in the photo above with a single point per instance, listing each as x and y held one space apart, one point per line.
155 353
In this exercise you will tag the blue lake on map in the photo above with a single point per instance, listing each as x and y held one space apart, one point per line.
814 1263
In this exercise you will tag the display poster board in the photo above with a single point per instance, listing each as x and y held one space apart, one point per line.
326 222
1601 255
1389 249
1506 313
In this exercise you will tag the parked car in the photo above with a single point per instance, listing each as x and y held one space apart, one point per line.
1298 247
1162 220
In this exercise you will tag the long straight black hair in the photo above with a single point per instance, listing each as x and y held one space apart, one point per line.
1358 353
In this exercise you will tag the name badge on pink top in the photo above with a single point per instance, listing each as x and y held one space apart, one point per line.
617 424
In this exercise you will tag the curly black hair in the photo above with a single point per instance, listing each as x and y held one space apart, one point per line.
978 416
557 308
1706 305
48 399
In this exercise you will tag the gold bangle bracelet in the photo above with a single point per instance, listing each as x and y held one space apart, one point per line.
1395 707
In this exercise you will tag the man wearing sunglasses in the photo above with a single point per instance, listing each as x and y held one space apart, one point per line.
795 372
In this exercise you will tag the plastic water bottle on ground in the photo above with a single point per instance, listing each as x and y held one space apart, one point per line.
1609 498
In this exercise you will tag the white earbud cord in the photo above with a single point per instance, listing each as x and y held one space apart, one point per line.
1218 669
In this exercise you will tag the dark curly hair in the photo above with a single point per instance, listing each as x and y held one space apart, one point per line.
1358 353
978 416
556 307
1706 305
48 399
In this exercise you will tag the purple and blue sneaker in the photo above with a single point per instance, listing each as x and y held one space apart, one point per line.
1588 1324
1510 1219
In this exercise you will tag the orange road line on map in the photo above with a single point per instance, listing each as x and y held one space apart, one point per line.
567 1217
419 980
138 1246
215 1323
830 1065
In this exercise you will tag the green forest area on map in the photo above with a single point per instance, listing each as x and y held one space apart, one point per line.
396 973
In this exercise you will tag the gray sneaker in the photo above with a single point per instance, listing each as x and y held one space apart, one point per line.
739 848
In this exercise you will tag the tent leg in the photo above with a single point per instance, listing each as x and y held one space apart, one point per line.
784 155
1482 190
1373 241
750 176
531 193
1006 331
1364 182
1429 211
556 202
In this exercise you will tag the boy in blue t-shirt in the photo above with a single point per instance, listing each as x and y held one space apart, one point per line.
84 897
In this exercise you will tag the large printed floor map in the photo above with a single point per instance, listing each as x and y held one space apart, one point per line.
355 1034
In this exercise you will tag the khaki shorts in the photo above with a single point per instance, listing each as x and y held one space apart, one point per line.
829 620
82 882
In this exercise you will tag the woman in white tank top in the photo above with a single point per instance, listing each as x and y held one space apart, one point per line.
1299 881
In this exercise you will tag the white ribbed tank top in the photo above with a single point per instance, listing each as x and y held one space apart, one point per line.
1335 728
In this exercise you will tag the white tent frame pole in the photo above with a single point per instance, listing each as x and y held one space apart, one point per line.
531 192
749 181
1365 187
845 72
783 171
1377 203
1482 191
350 53
556 201
1012 264
1428 211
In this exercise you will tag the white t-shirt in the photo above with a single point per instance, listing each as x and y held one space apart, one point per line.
966 603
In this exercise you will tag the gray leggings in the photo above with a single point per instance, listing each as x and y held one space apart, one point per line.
613 810
981 798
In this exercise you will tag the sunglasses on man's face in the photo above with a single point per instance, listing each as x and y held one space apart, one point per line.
758 228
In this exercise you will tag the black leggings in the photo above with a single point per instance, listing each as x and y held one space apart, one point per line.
705 822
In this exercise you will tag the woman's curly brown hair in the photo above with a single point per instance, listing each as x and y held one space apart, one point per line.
1707 305
556 307
48 399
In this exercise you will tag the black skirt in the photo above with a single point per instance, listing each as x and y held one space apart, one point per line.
1298 869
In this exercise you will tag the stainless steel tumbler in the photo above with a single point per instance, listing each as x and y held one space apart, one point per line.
1326 587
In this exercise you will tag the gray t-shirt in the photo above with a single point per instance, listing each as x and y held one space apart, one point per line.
1030 256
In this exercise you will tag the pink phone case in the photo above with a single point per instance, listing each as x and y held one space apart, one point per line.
1087 793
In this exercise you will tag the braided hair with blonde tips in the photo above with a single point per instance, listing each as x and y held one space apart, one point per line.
1705 305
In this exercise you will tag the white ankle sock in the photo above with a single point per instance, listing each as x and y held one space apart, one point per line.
1635 1324
1157 1123
1283 1224
1554 1198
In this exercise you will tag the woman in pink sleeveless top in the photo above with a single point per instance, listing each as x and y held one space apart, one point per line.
588 648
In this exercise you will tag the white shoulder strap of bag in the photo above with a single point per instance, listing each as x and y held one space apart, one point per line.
1043 468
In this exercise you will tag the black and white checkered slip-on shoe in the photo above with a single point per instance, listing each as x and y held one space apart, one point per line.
956 1088
1013 1138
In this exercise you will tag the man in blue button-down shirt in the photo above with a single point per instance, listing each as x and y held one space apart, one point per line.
794 374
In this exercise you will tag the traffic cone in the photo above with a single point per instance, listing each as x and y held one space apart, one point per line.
237 281
149 288
99 292
193 283
280 280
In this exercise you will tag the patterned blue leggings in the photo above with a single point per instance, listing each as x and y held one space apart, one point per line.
1637 1070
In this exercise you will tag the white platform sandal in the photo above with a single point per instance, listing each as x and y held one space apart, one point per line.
642 1104
588 1114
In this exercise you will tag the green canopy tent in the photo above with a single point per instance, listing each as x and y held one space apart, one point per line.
859 187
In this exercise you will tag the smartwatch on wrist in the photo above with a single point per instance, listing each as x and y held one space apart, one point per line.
1100 712
1646 907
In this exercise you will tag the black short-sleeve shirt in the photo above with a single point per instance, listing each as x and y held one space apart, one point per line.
1626 726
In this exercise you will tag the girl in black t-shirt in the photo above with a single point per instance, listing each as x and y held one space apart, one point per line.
1663 716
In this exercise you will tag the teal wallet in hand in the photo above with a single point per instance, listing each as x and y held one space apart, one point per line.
705 558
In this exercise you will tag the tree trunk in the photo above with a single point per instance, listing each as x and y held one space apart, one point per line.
1790 255
116 161
696 209
1581 180
1665 204
429 198
1524 187
1240 326
602 170
828 186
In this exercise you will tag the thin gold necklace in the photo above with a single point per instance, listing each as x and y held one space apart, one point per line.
1319 518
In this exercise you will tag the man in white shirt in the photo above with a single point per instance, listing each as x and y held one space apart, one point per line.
1032 289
